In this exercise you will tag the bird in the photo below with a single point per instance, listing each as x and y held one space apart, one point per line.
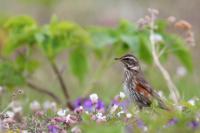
136 87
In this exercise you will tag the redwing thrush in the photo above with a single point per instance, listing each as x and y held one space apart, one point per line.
135 86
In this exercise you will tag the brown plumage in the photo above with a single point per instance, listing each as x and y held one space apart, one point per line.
135 86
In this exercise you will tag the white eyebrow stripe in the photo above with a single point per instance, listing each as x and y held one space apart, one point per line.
131 57
136 68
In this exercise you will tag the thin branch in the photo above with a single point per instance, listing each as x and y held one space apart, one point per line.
62 84
45 91
172 88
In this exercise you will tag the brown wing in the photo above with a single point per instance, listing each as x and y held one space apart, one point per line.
144 85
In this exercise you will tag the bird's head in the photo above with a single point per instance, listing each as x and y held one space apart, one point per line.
130 62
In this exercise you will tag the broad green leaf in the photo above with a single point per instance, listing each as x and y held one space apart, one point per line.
126 27
102 37
179 48
78 63
133 43
21 31
145 49
57 36
10 76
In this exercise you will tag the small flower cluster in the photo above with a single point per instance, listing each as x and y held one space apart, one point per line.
182 25
92 109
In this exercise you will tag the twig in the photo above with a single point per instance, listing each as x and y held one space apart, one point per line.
6 108
172 88
62 84
45 91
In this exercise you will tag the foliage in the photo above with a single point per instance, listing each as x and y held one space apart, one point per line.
26 41
25 37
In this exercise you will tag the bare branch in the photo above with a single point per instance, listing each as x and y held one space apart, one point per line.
45 91
172 88
62 84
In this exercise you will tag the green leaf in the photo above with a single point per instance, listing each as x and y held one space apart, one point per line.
126 27
21 32
78 63
179 48
57 36
133 43
145 49
102 37
10 76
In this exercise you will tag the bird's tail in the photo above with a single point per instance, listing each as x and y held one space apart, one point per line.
161 103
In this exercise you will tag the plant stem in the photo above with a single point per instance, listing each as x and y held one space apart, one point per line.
172 88
45 91
62 84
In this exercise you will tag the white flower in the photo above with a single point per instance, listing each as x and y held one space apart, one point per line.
35 106
62 112
113 108
180 107
10 114
128 115
192 102
120 113
181 71
156 38
24 131
1 90
94 98
145 129
16 107
76 129
101 117
50 106
87 112
122 95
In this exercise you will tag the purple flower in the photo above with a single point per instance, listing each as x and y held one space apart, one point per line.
100 105
124 104
193 124
53 129
171 122
78 102
140 123
88 104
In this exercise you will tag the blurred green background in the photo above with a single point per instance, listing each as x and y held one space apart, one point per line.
108 12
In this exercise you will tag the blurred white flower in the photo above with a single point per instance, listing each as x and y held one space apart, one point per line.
47 105
157 38
24 131
10 114
113 108
62 112
76 129
192 102
35 106
16 106
4 126
145 129
180 107
181 71
87 112
120 113
160 93
128 115
171 19
122 95
1 90
100 117
94 98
